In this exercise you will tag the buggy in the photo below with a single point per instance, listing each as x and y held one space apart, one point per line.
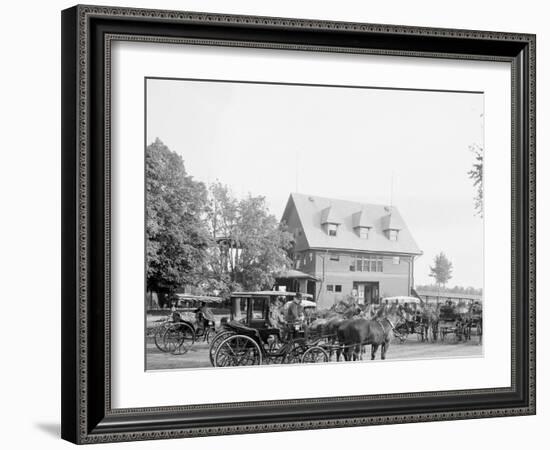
451 322
182 328
413 323
255 334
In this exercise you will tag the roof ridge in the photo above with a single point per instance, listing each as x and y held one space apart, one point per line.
341 200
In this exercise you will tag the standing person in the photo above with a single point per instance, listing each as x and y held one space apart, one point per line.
294 314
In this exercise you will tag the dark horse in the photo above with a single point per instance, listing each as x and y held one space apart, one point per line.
355 333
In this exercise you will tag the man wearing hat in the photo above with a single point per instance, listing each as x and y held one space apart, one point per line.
294 314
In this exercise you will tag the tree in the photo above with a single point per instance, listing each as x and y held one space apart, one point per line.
441 271
476 174
177 238
251 244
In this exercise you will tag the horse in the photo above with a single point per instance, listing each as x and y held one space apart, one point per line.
328 321
353 334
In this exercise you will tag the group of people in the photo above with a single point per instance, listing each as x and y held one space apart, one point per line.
289 317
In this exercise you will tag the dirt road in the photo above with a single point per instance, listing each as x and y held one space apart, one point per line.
197 356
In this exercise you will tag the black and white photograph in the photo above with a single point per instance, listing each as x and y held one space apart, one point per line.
300 223
275 225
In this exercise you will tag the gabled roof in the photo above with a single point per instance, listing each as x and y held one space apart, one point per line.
310 210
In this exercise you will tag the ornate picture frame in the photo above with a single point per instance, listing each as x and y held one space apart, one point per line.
88 33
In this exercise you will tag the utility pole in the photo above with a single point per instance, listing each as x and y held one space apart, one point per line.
296 170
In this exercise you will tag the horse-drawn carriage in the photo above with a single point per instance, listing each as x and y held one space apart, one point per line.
450 322
256 333
414 321
472 317
188 322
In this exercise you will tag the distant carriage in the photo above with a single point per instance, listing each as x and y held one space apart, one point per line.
414 321
182 329
473 321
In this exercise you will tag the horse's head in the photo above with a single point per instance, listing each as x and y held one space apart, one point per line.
351 311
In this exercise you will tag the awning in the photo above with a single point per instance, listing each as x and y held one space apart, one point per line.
293 274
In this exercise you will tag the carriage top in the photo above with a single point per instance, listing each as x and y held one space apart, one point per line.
198 298
402 299
262 294
272 294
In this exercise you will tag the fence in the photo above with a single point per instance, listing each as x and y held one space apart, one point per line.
443 297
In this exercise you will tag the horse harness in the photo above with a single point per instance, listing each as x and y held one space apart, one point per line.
392 326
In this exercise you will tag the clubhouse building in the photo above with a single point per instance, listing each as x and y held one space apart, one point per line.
345 248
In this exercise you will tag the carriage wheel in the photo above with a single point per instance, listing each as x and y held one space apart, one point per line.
295 353
216 341
401 332
480 332
178 338
314 355
158 336
210 335
238 350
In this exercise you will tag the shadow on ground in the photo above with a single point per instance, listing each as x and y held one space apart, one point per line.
53 429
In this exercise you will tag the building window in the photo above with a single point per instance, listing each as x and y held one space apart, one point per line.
337 288
367 264
330 288
396 260
363 232
332 229
334 257
392 235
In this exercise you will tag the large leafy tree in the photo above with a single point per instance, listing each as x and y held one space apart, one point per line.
251 244
476 175
177 237
442 270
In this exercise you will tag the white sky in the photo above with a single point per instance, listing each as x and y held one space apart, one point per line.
343 143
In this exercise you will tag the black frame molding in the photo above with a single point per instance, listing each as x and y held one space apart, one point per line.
87 33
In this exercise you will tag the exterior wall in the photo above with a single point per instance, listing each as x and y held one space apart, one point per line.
305 261
394 280
295 227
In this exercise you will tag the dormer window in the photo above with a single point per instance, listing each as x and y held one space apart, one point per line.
391 224
362 223
330 221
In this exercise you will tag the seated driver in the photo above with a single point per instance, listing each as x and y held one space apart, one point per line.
204 316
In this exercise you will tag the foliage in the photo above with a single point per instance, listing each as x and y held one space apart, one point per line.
177 238
251 244
476 174
442 270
